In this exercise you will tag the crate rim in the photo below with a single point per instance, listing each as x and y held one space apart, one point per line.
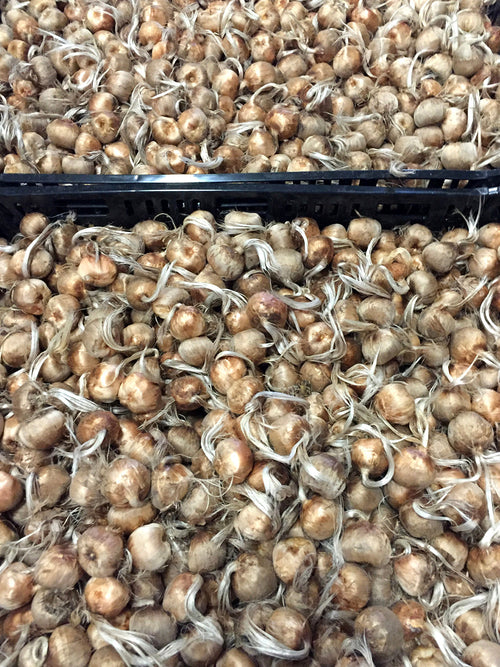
434 198
488 178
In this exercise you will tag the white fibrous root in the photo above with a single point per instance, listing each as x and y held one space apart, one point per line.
122 87
243 442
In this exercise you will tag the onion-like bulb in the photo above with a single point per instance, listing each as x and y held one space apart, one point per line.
382 630
352 587
289 626
58 567
68 644
174 600
106 596
233 460
126 482
149 547
100 551
16 586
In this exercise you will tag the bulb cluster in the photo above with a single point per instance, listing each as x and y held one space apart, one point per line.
236 443
224 86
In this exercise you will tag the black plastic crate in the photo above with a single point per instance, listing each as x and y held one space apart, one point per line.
435 198
493 12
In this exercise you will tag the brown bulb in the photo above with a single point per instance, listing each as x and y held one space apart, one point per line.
233 460
126 482
106 596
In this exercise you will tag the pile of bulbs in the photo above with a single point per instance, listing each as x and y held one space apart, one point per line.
235 443
224 86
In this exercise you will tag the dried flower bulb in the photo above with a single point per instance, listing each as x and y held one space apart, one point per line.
241 392
92 423
15 621
200 226
31 296
168 298
369 456
327 644
465 504
417 525
159 626
486 402
201 649
233 460
415 573
253 577
128 519
198 507
106 656
139 394
51 607
286 432
63 133
470 626
382 630
187 322
174 600
482 653
68 644
449 402
58 567
138 335
467 344
323 474
254 524
44 431
188 254
412 617
85 487
235 657
352 587
250 343
451 547
188 392
319 518
440 257
106 596
289 627
100 551
16 586
169 485
317 338
397 495
11 491
15 349
377 310
293 557
381 346
97 271
7 534
363 542
361 231
264 307
206 553
394 403
413 467
126 482
469 433
137 290
225 371
361 497
149 547
184 440
33 224
196 351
